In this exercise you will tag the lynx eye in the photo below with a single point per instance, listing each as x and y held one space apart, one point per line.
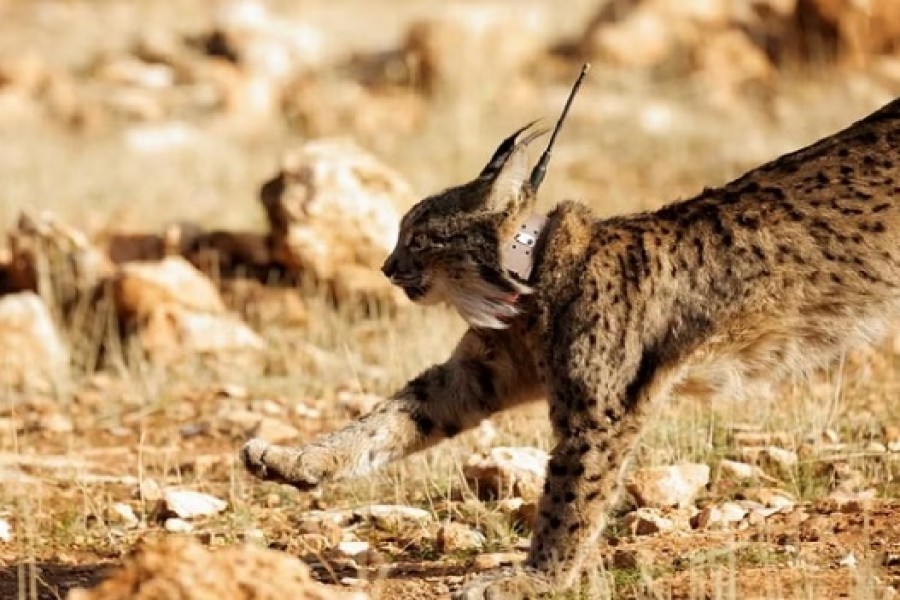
423 242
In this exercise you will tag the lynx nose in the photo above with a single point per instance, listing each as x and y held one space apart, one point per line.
389 268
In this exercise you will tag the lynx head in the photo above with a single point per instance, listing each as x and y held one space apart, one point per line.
450 244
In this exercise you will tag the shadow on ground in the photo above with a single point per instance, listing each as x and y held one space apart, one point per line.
47 580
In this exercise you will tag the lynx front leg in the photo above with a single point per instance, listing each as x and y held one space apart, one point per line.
486 373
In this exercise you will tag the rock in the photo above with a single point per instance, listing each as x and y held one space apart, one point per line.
876 447
246 424
379 115
771 497
176 525
187 504
647 521
149 491
312 544
333 204
123 513
661 487
132 71
493 560
456 537
779 458
181 567
339 517
631 558
159 137
849 479
353 549
757 513
447 48
171 334
330 532
505 471
847 502
6 535
485 435
848 561
25 72
642 40
392 516
269 46
741 470
264 306
721 516
850 33
56 423
22 77
727 61
646 33
519 510
893 342
141 288
759 439
890 434
33 351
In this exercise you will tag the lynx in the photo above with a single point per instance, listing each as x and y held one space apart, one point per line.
775 273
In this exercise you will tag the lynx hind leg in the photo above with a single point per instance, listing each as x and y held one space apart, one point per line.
596 435
485 374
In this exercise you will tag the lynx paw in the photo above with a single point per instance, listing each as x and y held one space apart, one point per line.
506 584
303 469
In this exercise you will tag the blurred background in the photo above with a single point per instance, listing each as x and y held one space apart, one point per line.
136 113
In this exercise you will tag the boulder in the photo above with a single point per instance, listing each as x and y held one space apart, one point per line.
449 47
456 537
33 351
505 471
171 333
645 33
849 32
647 521
54 258
265 49
188 504
667 486
181 567
331 205
720 516
141 288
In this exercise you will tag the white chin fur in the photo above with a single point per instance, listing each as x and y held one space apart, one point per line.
483 305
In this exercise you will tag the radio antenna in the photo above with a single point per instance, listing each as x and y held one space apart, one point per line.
540 169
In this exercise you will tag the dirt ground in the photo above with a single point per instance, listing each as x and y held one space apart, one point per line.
73 453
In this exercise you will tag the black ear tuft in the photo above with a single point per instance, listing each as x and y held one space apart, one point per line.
503 152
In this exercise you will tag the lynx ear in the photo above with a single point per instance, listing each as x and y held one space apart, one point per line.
508 172
503 152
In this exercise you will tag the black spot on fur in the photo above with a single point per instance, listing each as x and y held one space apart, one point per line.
418 387
557 470
424 424
483 375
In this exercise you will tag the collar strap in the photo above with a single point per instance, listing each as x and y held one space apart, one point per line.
519 252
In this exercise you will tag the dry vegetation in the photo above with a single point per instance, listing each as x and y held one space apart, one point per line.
120 118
